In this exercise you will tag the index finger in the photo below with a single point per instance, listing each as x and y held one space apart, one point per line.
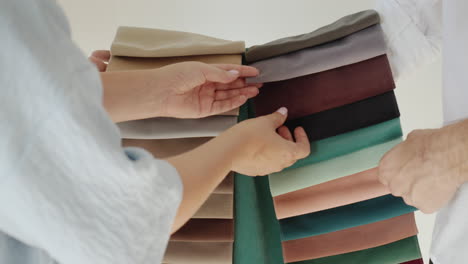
302 143
244 71
104 55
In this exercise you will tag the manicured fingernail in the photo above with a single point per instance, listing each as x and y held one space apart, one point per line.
234 72
283 111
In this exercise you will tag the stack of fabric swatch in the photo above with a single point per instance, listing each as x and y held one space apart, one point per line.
336 83
208 237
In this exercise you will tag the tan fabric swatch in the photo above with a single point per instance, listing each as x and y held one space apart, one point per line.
217 206
343 191
350 240
204 230
179 252
147 42
118 63
227 185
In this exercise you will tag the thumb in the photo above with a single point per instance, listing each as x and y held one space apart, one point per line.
278 118
215 74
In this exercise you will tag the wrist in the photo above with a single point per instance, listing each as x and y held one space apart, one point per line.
456 140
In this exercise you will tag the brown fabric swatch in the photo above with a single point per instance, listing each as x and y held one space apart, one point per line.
206 230
343 191
338 29
322 91
117 63
217 206
181 252
351 239
227 185
149 42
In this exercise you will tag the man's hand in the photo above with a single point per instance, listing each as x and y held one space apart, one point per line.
427 169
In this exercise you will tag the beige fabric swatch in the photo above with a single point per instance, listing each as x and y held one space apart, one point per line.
206 230
179 252
147 42
218 206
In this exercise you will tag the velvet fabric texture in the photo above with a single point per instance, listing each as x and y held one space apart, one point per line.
340 28
206 230
183 252
166 127
343 191
360 46
351 239
416 261
217 206
326 90
397 252
346 143
300 178
257 234
348 216
347 118
146 42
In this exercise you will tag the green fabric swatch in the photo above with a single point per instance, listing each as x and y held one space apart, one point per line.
346 143
343 217
296 179
257 233
397 252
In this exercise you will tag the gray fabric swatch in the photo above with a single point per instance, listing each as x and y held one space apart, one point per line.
360 46
166 127
340 28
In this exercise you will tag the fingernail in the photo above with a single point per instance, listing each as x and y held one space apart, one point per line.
234 72
283 111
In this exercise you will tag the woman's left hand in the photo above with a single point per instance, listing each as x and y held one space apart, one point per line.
195 89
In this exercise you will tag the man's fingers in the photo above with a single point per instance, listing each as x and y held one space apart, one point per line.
103 55
222 106
249 92
285 133
302 143
244 71
99 63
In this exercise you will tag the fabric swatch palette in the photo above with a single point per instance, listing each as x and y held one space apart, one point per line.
328 208
208 237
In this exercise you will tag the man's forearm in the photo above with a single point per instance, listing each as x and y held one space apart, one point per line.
456 138
202 170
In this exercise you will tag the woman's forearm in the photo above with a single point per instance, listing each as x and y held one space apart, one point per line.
201 171
127 94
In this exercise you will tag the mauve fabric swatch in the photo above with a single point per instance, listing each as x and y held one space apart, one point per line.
343 191
206 230
166 127
349 142
396 252
314 93
148 42
217 206
416 261
183 252
351 239
348 216
300 178
360 46
347 118
338 29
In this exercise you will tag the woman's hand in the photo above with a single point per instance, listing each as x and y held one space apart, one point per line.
195 89
181 90
100 58
269 146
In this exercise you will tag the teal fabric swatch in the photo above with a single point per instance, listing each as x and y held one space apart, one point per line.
397 252
346 143
343 217
257 233
296 179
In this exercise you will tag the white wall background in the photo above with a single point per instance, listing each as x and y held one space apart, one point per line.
256 21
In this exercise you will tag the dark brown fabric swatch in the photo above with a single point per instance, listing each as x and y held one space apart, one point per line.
318 92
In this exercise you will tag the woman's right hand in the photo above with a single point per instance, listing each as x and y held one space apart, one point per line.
267 145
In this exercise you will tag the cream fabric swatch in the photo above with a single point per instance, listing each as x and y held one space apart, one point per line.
146 42
165 127
179 252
